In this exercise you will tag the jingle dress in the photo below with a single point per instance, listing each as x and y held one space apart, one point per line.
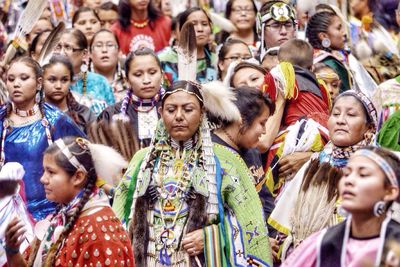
25 144
181 192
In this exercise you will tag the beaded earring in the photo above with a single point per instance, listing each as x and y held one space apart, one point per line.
326 42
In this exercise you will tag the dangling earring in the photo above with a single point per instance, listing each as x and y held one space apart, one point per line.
368 136
326 42
37 97
379 208
84 67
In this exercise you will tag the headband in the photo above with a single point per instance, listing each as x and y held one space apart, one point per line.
327 76
381 162
71 158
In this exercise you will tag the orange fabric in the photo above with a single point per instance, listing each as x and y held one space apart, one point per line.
155 38
97 239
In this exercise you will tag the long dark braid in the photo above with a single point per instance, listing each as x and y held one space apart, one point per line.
84 157
319 23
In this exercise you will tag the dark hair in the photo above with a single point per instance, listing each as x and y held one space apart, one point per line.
84 157
101 31
60 59
184 16
250 102
303 55
225 48
83 10
79 37
35 41
187 86
318 23
243 65
108 6
125 14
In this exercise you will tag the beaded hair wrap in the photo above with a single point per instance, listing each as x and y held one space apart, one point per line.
71 158
382 163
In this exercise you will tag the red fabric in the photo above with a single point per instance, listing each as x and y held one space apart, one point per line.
97 239
156 38
305 105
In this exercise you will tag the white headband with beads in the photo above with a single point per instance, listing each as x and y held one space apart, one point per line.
381 162
71 158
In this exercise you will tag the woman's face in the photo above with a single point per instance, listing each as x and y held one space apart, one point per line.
104 51
336 33
40 26
166 7
243 15
251 135
181 114
248 77
68 46
87 23
202 27
145 76
236 52
140 5
331 79
58 185
22 84
93 4
56 81
39 45
347 123
362 185
107 17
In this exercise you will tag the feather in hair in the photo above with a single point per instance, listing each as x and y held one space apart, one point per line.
107 168
222 23
218 100
187 53
28 19
50 43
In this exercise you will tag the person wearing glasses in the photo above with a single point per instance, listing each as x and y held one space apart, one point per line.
88 88
104 51
233 50
277 24
242 13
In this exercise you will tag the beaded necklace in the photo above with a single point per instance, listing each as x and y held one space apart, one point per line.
146 105
26 113
7 126
140 25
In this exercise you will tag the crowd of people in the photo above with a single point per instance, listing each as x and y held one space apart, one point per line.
199 133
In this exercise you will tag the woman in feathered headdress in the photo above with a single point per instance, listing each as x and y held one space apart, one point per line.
187 202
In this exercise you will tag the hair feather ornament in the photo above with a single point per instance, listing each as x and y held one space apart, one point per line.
51 42
110 167
187 53
28 19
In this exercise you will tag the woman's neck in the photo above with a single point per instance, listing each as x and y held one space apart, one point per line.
201 53
24 106
366 225
229 135
139 15
108 73
61 105
245 35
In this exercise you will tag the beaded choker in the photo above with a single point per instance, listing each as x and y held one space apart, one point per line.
145 105
26 113
140 25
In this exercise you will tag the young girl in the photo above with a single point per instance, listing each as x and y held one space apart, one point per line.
144 75
89 89
140 24
28 127
87 21
84 230
57 77
205 58
247 74
104 52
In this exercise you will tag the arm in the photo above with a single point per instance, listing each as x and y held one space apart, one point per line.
14 237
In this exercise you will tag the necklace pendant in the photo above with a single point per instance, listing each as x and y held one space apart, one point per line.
169 206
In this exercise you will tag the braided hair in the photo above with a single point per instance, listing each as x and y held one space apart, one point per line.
319 23
84 157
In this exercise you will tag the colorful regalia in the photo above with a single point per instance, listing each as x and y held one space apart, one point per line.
92 90
190 189
336 247
205 67
314 189
26 143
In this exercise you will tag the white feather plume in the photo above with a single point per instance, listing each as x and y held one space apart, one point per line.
218 100
108 163
363 50
308 6
222 22
187 53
